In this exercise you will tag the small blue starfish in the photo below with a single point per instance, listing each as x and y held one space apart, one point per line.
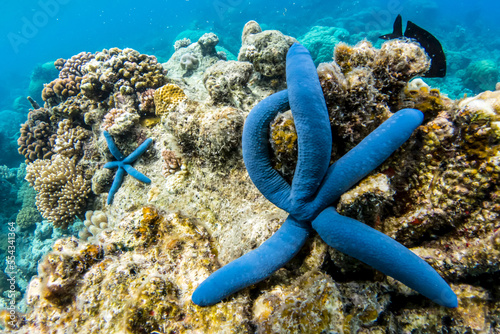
315 187
124 164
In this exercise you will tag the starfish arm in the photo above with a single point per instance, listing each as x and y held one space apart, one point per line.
112 164
112 147
384 254
254 266
364 158
138 151
117 182
311 121
256 155
136 174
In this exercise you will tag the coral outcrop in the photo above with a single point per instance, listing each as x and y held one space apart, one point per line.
188 63
212 134
226 82
268 61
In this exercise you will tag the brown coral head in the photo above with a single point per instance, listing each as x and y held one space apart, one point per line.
147 105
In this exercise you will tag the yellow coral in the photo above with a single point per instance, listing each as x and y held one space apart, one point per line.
167 98
429 101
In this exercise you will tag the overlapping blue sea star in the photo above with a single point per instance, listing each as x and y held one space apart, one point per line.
315 186
124 164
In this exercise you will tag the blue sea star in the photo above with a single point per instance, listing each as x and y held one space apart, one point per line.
124 164
315 186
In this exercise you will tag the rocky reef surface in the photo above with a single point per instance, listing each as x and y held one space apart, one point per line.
138 260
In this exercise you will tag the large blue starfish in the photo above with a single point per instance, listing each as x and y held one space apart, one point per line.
315 187
124 164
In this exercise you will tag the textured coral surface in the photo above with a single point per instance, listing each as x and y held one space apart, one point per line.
138 260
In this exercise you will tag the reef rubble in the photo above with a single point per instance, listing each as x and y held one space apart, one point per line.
139 259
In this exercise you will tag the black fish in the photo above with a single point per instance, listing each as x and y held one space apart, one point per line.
430 44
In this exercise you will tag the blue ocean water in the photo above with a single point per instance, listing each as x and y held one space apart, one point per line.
37 32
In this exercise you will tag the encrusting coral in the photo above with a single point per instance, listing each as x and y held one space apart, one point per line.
69 140
168 97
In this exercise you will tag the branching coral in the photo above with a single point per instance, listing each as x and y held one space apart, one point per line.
37 138
61 189
70 77
125 71
69 140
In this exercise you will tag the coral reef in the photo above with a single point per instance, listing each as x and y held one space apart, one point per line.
321 40
437 195
125 71
144 283
481 75
61 188
268 61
